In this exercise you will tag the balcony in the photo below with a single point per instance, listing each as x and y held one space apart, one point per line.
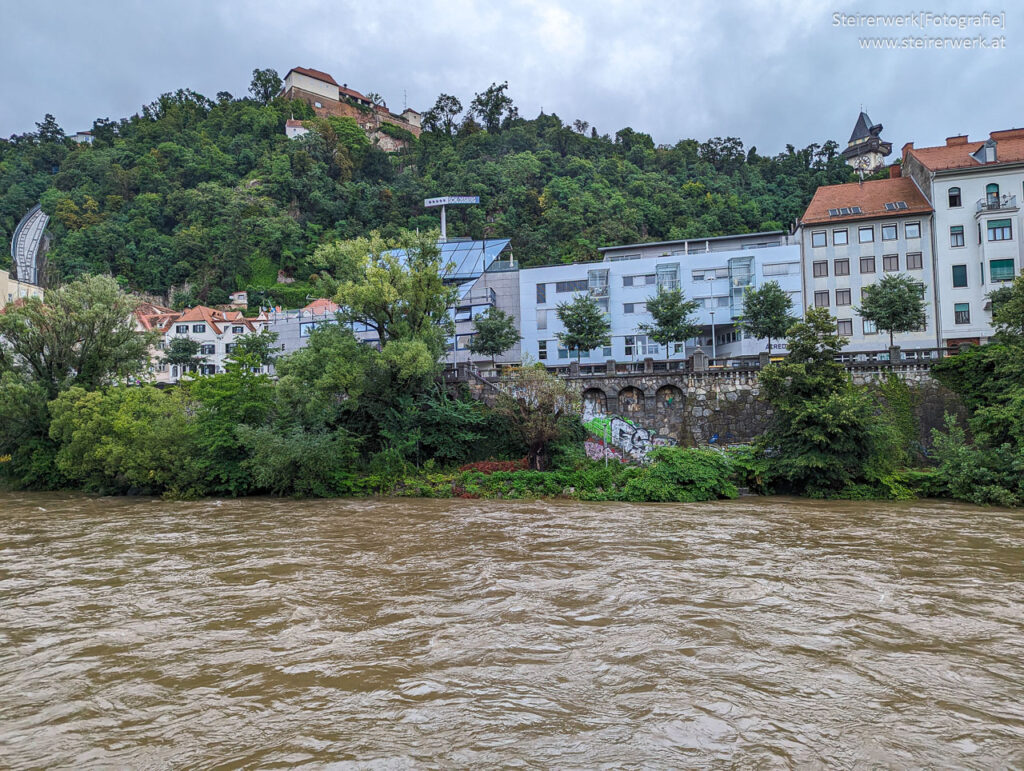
996 203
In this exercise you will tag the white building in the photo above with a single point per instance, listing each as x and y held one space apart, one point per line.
294 128
852 235
975 190
216 331
715 271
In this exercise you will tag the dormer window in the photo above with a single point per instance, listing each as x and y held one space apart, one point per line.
986 153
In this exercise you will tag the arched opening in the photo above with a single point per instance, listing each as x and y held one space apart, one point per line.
992 195
595 404
668 398
954 197
631 402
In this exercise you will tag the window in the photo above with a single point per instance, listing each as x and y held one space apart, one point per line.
818 238
843 297
866 235
208 349
229 348
842 267
844 327
992 195
1000 230
542 318
890 263
956 235
869 327
317 104
779 269
199 327
634 307
237 330
914 261
821 299
606 351
1000 270
912 230
962 313
627 281
840 237
542 346
542 293
889 232
208 369
820 269
867 264
954 197
561 287
306 328
630 345
959 276
181 329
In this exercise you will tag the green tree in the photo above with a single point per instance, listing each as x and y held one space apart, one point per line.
49 130
443 116
825 435
493 106
673 318
255 350
495 333
896 304
400 295
533 403
184 352
586 326
265 85
766 312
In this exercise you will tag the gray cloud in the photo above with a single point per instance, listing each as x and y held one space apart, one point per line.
769 72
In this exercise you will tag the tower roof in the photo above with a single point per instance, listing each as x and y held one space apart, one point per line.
864 129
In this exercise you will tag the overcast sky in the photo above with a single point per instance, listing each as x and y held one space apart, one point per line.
771 72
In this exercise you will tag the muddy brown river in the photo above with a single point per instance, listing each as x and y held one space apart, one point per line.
758 633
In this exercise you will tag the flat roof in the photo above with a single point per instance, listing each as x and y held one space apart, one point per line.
693 240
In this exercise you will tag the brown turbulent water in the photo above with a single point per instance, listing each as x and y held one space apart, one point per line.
393 634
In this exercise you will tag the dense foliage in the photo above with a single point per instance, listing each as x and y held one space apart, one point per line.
209 195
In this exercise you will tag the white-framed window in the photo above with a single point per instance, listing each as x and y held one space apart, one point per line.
912 230
840 237
866 235
818 238
199 328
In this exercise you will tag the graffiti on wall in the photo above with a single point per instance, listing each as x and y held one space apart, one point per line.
617 437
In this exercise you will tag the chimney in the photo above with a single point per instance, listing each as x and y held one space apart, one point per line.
957 140
1007 134
895 171
907 146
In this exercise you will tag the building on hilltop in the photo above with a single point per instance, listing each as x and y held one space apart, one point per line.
853 234
12 290
974 189
715 271
866 150
323 93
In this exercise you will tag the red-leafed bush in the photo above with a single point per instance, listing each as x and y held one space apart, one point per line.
490 466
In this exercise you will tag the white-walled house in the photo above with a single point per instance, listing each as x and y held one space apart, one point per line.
851 236
975 189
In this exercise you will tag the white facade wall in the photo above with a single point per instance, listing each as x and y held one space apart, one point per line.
633 275
217 346
314 86
839 286
973 260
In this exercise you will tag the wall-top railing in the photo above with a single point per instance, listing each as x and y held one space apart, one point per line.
997 203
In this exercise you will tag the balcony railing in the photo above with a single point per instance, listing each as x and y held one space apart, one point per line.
997 203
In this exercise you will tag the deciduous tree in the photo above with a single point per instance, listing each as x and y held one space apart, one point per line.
495 333
766 312
673 318
586 326
896 304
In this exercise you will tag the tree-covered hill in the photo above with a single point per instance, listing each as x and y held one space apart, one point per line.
211 193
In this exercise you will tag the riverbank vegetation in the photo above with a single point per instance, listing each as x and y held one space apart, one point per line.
342 418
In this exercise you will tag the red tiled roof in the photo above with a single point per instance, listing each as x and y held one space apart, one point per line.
292 123
315 74
870 196
203 315
956 153
322 305
354 94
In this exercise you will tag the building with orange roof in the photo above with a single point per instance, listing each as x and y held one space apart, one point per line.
853 234
327 97
975 189
216 331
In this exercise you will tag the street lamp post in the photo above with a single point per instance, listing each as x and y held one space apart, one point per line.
714 350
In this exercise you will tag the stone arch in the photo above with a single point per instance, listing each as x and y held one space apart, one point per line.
595 403
631 402
668 399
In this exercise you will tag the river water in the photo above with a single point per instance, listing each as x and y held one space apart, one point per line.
392 634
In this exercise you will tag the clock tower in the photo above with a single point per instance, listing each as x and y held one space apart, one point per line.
866 151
